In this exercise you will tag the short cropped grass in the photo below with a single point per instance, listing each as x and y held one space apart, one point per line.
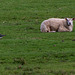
25 50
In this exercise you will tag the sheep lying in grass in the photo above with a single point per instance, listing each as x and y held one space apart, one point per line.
57 25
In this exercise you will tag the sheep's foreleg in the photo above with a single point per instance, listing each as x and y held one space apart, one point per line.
63 29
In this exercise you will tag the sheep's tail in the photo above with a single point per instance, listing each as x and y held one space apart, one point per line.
43 27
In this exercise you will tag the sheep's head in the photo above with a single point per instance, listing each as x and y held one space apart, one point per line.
73 18
69 21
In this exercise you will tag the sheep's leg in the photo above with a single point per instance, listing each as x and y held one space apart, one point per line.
62 29
52 31
48 29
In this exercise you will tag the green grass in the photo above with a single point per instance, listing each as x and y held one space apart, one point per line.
25 50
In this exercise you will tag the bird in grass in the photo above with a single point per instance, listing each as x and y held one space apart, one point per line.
1 35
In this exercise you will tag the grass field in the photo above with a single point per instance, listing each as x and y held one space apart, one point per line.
25 50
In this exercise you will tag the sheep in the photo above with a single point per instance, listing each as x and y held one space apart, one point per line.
57 25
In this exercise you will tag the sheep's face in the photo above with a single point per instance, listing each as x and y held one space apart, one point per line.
69 21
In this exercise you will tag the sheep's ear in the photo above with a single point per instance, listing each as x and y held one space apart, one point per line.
66 19
73 18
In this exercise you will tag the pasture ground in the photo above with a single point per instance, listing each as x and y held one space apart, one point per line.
25 50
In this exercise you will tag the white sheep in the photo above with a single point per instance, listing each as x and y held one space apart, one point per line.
57 25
